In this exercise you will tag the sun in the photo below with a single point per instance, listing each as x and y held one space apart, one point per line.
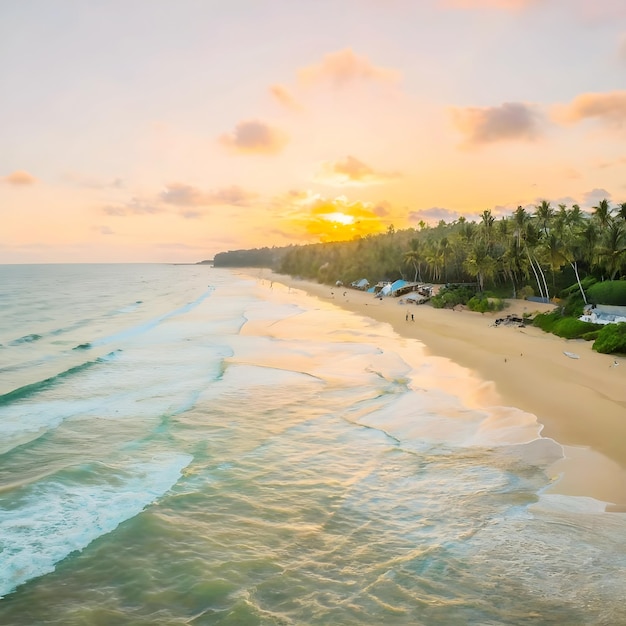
339 218
335 219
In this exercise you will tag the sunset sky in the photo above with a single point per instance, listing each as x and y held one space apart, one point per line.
170 130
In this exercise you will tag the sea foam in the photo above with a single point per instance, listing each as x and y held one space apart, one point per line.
44 523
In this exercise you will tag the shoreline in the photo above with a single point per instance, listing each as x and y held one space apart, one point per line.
579 402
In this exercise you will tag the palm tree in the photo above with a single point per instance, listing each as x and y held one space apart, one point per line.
573 250
612 252
514 261
479 264
589 238
575 216
621 212
486 224
457 247
414 258
602 213
532 241
446 249
527 237
553 249
544 213
561 219
435 258
521 220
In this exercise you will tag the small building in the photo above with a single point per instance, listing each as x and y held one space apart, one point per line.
604 314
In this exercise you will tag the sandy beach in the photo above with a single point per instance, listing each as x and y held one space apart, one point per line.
581 402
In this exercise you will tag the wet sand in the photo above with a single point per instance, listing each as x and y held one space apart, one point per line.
581 402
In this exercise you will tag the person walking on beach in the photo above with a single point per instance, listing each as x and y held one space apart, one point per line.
406 317
412 317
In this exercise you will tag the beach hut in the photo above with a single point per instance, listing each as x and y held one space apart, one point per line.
398 287
604 314
416 297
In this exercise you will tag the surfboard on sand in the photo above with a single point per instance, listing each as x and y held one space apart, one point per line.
571 355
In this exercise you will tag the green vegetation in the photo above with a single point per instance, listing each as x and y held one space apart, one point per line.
543 252
452 295
546 252
609 292
611 339
482 304
258 257
566 327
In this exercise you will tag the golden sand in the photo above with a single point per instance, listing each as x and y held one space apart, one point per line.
581 402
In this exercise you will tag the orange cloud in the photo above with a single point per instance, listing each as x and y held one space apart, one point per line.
433 215
90 182
507 5
344 67
614 163
180 194
254 137
284 97
508 122
609 107
20 178
351 171
134 207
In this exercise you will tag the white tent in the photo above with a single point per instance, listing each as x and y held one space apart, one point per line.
361 284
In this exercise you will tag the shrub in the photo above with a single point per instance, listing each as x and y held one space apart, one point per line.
608 292
573 328
478 304
498 304
574 288
546 321
611 339
525 292
451 296
482 304
574 305
567 327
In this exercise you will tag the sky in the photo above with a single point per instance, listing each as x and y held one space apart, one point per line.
171 130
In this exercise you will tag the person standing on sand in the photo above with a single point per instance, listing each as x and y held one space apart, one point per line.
406 317
412 317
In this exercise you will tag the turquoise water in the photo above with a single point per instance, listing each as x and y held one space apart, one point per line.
185 445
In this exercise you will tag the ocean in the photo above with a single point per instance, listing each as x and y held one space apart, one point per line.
181 444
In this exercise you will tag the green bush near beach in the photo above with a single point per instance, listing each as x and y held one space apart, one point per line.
612 292
483 304
611 339
449 297
546 321
452 295
574 304
566 327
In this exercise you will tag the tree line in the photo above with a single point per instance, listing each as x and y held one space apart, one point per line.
539 250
